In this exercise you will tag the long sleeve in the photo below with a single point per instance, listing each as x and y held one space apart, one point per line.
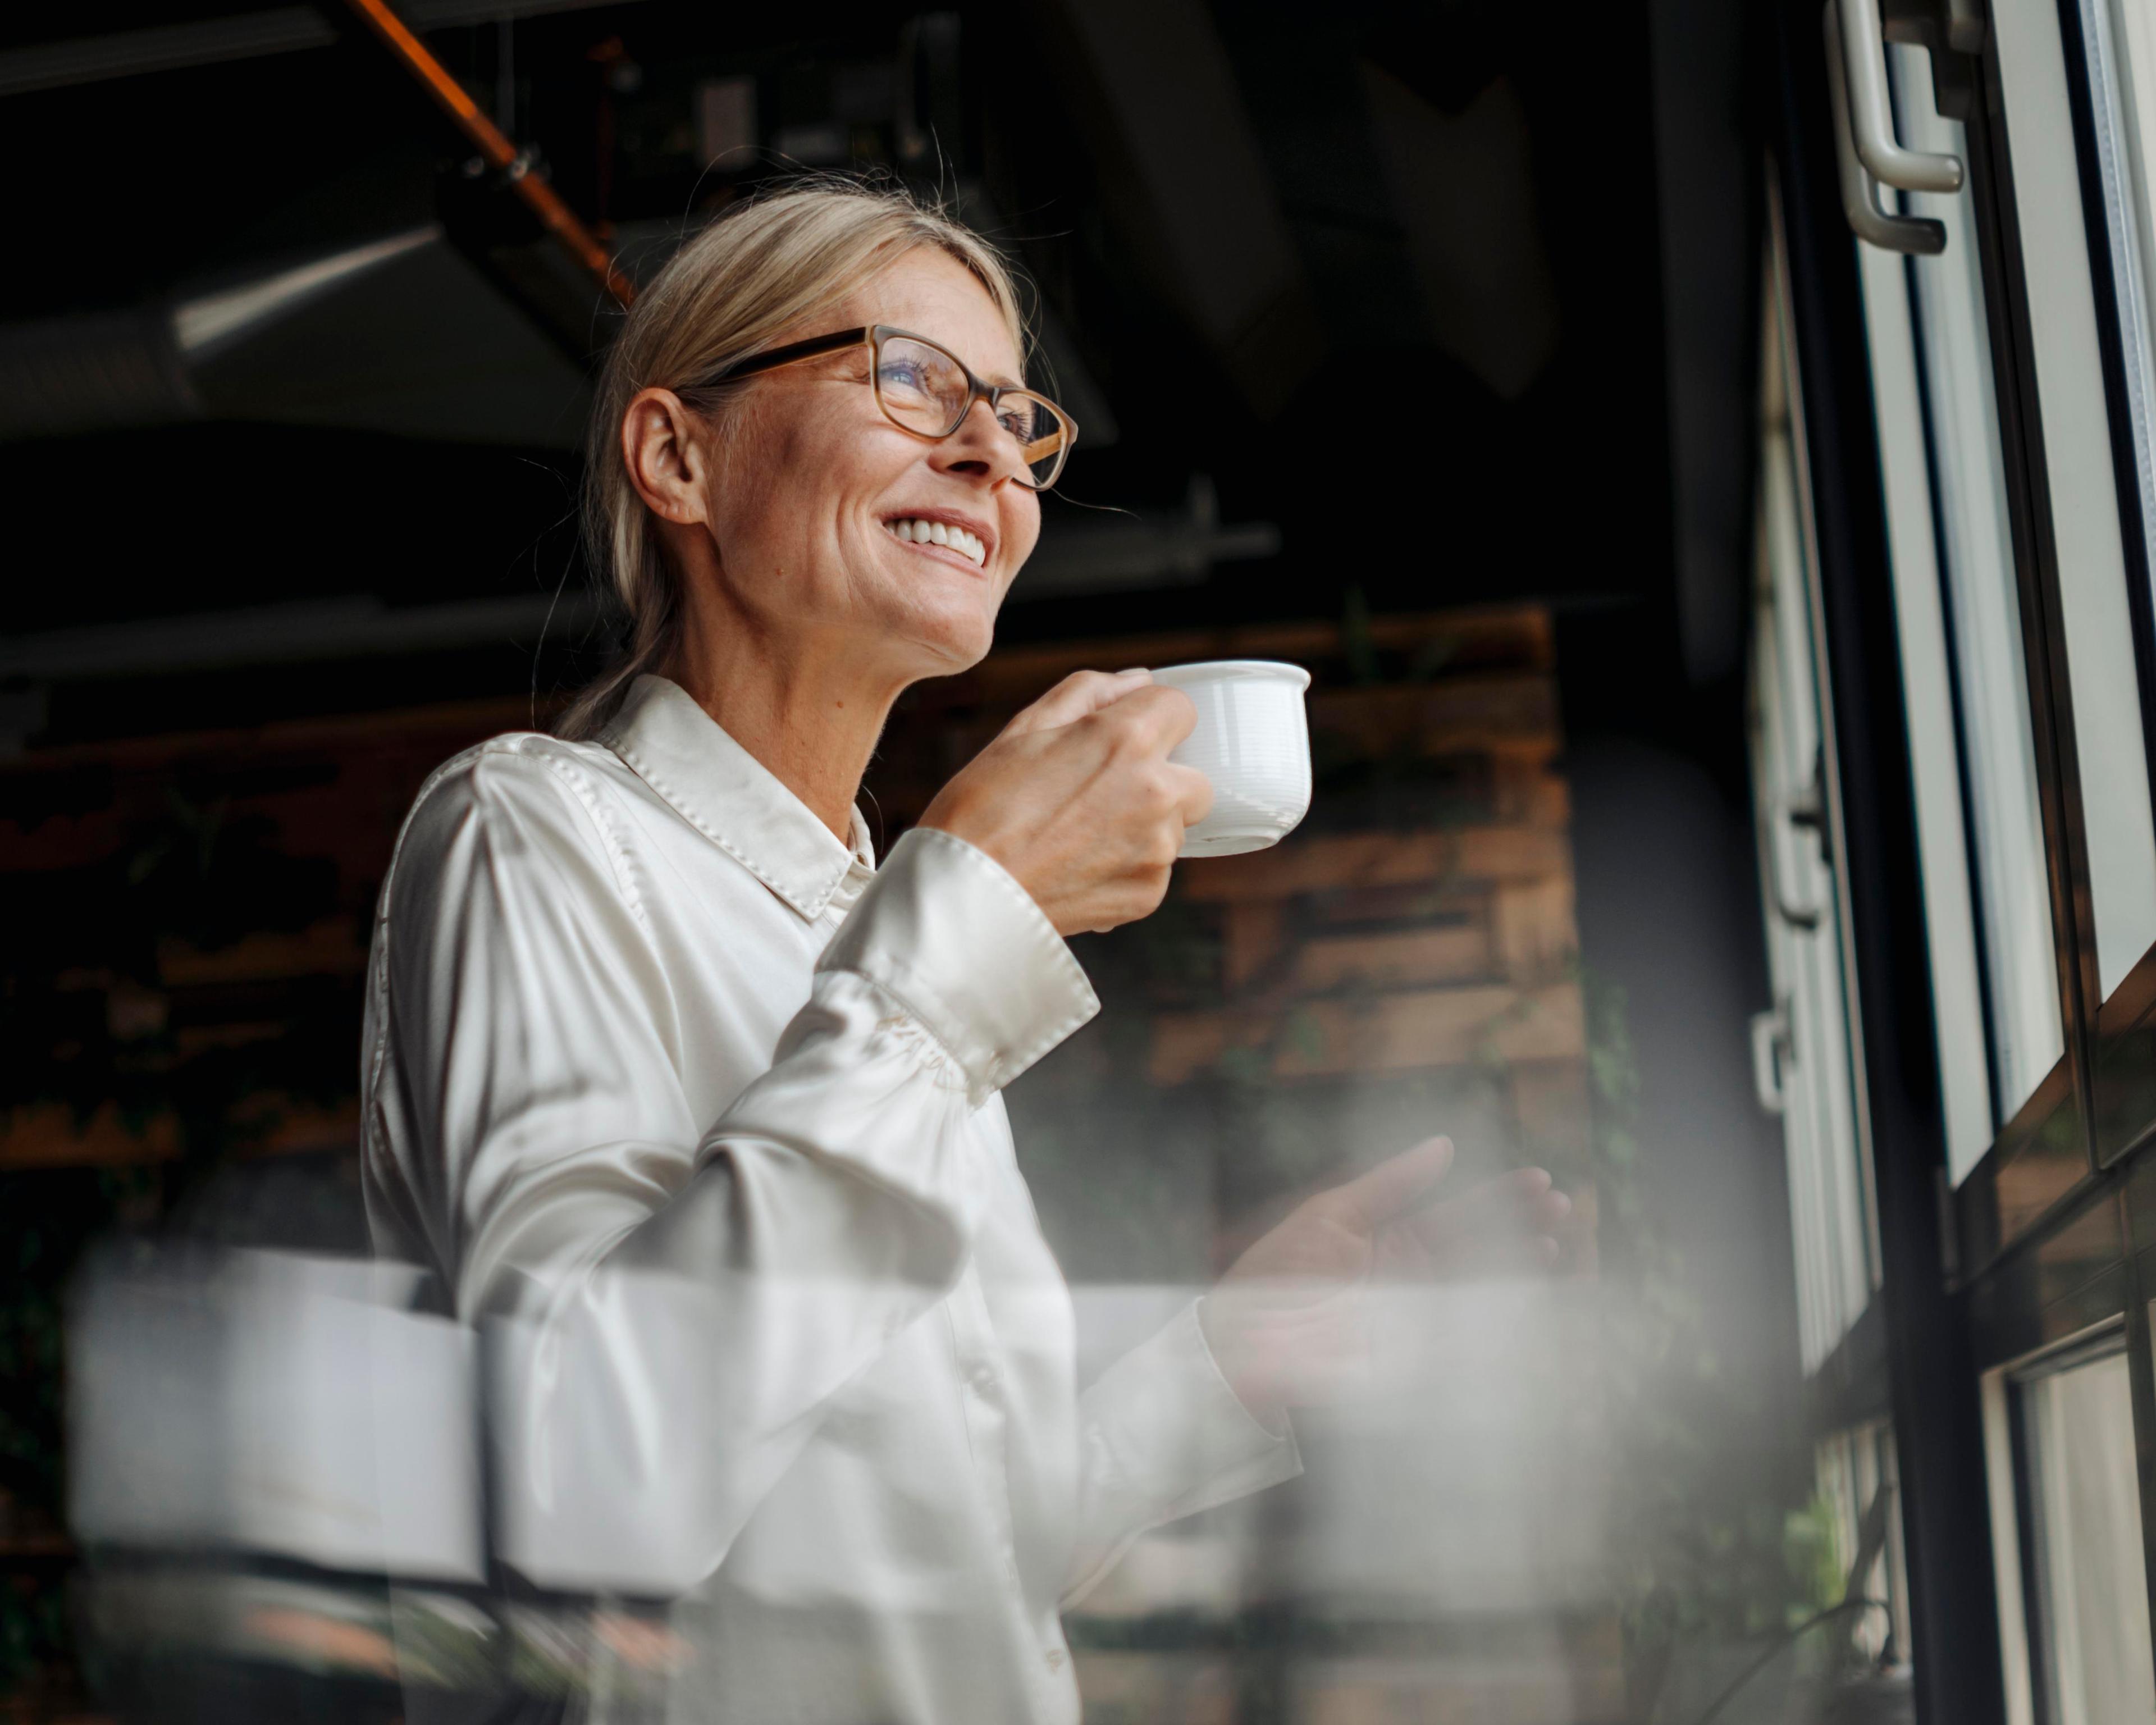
1162 1435
674 1300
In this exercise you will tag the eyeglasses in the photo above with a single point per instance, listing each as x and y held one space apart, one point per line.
929 391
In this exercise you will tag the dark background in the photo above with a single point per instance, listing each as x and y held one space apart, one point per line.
1443 376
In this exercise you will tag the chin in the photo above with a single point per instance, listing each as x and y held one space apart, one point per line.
956 642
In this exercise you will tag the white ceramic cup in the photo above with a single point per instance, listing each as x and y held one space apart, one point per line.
1252 742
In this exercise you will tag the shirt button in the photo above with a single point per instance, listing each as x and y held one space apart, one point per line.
1055 1658
983 1379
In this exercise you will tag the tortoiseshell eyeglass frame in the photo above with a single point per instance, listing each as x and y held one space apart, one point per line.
872 336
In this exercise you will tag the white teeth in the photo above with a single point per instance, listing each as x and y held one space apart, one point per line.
919 532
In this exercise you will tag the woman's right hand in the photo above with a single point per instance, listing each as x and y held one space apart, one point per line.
1078 800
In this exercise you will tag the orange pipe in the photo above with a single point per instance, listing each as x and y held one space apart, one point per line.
494 145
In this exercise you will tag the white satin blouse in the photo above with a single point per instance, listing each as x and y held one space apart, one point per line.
698 1111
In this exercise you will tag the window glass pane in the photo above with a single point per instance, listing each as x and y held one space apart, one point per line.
2091 1581
2086 523
2120 36
1927 689
1983 622
1857 1478
2120 39
1803 1044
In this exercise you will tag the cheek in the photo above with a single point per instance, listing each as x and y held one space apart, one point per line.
747 489
847 452
1021 527
793 467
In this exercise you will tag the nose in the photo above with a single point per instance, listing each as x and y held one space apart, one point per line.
980 449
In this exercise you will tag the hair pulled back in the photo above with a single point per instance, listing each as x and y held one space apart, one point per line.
767 266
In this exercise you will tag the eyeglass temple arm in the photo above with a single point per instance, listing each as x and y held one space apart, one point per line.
786 355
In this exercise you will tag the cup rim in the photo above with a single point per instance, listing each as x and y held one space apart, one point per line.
1228 670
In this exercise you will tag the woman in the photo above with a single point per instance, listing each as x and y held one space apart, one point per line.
665 1073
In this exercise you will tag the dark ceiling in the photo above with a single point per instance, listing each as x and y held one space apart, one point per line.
1388 276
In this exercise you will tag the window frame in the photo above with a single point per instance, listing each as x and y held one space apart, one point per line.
1977 1279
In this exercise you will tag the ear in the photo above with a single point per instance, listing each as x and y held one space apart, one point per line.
664 447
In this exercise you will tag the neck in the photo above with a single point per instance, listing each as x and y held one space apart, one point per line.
804 708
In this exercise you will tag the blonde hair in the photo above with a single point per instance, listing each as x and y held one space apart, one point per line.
764 267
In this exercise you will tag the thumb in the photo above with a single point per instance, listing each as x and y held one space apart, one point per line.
1079 694
1377 1197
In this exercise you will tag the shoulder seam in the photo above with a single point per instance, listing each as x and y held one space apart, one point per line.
378 980
578 787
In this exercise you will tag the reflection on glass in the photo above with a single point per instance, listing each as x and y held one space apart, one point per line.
1984 618
2093 1657
2038 1170
1860 1484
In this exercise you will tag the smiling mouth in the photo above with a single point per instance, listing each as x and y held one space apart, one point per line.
916 531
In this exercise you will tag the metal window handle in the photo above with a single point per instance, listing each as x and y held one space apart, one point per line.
1800 917
1918 235
1770 1048
1806 810
1965 29
1871 116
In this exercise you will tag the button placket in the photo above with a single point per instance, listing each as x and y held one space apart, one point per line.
981 1393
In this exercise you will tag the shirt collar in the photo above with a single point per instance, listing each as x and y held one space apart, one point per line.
734 800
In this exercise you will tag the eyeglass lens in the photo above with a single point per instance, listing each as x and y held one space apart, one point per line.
926 390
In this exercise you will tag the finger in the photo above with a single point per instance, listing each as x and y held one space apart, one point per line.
1391 1186
1161 716
1080 693
1193 793
1131 898
1506 1224
1519 1187
1514 1203
1476 1259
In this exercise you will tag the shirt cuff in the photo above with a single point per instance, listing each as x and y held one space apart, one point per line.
947 932
1167 1401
